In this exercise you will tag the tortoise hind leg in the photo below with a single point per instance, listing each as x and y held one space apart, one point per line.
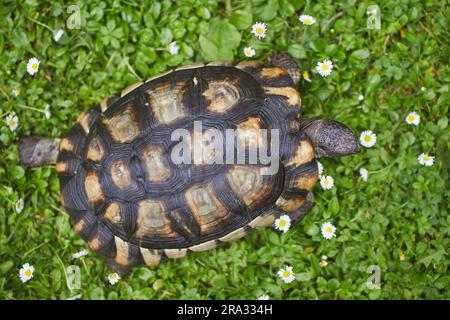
300 212
115 267
286 62
267 74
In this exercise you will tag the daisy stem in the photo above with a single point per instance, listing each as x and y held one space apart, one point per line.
34 249
57 209
303 37
85 266
10 201
327 24
41 24
51 64
110 60
201 263
4 93
228 8
385 168
132 70
264 45
62 265
30 108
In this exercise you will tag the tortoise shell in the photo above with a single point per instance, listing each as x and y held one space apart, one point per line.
134 205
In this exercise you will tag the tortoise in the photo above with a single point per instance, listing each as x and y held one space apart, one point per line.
135 205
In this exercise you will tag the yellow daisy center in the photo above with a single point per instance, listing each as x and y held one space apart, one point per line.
307 21
282 223
324 67
411 118
12 122
367 138
34 66
327 182
286 274
306 75
28 273
259 30
329 230
426 158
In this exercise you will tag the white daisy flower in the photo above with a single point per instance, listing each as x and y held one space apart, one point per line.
307 20
368 138
286 274
320 168
283 223
412 118
174 48
324 68
58 35
323 263
33 66
26 272
12 122
360 97
326 182
426 160
249 52
80 254
259 30
47 112
19 205
113 278
328 230
306 76
324 257
364 174
16 92
263 297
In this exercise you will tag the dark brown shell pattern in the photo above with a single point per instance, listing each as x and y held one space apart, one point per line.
134 206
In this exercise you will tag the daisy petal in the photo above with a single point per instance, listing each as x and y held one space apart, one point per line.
33 66
324 68
259 30
368 138
328 230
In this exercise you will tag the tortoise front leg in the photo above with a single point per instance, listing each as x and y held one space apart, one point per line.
37 151
300 212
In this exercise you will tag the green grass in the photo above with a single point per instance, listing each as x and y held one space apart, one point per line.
398 220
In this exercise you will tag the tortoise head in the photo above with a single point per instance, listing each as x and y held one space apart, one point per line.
330 138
